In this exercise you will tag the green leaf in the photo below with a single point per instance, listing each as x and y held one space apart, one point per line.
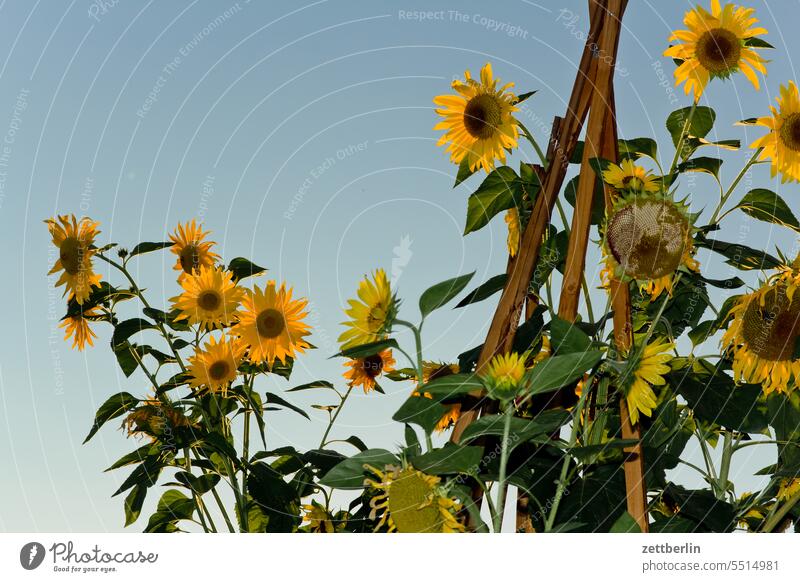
412 441
598 198
148 247
173 507
146 474
523 96
501 190
275 399
522 429
700 506
125 329
450 459
701 124
421 411
640 146
463 171
133 504
625 524
278 499
567 337
484 290
366 350
701 164
136 456
590 452
349 474
740 256
356 442
766 205
201 484
452 386
243 268
551 256
757 42
553 373
115 406
784 417
440 294
312 385
701 332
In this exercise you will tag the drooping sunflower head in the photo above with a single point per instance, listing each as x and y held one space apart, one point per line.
365 372
646 370
76 327
782 144
210 298
410 501
75 242
512 220
214 368
153 418
193 251
630 177
271 324
504 374
647 238
715 44
372 314
761 338
478 121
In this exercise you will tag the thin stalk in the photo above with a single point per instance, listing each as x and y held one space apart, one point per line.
725 464
778 516
342 400
724 198
501 481
534 143
197 501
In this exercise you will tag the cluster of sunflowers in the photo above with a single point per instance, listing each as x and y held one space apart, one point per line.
558 377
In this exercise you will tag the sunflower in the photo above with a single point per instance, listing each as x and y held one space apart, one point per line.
75 242
647 238
512 220
782 143
752 519
630 177
478 121
272 325
433 371
372 314
215 366
365 371
319 519
761 337
649 371
787 489
503 375
193 252
411 501
77 327
210 298
716 45
153 418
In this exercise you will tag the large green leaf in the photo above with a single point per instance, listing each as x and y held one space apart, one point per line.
567 337
702 164
522 429
125 329
484 290
278 499
740 256
450 459
501 190
173 507
766 205
421 411
350 473
148 247
366 350
553 373
452 386
701 124
440 294
115 406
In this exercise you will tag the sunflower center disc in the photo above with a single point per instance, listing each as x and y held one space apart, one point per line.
190 258
270 323
407 493
772 328
70 253
219 370
718 50
790 132
648 239
482 116
373 365
209 301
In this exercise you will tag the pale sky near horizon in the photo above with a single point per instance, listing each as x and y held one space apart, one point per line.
301 135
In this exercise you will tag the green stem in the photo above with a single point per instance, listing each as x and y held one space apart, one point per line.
679 146
725 464
342 400
778 516
501 481
534 143
724 198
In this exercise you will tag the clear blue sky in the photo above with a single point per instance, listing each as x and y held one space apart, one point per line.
301 134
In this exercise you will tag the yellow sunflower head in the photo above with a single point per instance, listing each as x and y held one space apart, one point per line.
647 238
504 374
153 418
372 314
410 501
629 177
715 45
478 121
76 327
210 298
193 251
788 488
761 337
782 144
364 372
319 519
271 324
215 367
512 220
647 371
75 242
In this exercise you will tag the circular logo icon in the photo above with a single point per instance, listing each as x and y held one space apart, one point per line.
31 555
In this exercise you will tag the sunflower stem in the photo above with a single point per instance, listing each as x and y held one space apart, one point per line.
725 464
724 198
534 143
501 481
342 400
679 146
778 516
